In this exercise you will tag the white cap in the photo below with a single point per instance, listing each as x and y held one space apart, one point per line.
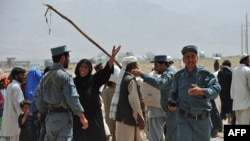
169 58
244 55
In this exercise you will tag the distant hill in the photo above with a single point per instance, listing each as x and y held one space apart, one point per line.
140 26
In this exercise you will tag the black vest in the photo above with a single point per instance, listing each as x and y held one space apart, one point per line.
124 111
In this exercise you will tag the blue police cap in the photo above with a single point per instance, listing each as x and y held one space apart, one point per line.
59 50
189 48
162 58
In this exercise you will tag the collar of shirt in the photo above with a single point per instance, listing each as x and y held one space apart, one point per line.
194 73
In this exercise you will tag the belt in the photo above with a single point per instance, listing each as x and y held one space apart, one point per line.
57 110
194 117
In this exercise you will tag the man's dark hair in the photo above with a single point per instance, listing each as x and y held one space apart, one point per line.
226 63
57 58
163 62
17 71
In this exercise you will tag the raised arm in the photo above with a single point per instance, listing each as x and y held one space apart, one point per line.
115 50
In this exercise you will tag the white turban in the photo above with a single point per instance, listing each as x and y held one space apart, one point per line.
128 60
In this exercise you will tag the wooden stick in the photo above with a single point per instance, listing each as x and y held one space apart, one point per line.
84 34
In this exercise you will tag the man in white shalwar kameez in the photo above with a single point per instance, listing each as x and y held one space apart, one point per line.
14 95
240 91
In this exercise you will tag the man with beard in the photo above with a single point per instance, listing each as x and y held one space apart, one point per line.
163 83
14 95
57 97
240 91
126 107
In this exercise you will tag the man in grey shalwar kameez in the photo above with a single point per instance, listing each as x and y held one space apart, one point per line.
155 116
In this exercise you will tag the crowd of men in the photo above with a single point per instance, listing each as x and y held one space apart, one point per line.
124 104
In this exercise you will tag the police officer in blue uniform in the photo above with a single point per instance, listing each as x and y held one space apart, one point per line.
192 89
58 98
162 67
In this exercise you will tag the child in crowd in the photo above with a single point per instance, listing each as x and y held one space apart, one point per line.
26 123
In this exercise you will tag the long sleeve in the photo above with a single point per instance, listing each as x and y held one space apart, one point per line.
134 99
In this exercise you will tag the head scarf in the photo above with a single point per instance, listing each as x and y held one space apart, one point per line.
83 61
85 81
115 98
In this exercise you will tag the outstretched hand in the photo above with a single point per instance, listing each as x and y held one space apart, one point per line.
115 50
136 72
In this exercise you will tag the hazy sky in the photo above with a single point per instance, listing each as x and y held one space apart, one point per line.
140 26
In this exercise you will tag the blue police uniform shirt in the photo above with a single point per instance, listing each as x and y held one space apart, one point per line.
199 103
61 88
